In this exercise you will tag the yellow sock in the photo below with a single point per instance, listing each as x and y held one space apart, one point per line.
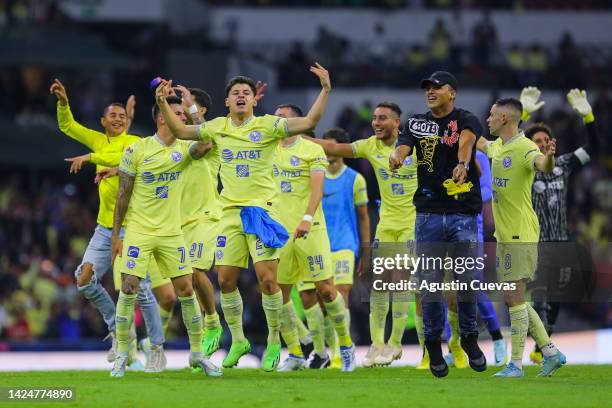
288 329
192 318
316 324
337 312
379 307
231 304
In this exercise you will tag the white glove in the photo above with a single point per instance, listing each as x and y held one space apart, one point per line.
578 99
529 99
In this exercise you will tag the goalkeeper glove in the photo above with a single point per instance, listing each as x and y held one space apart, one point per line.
578 100
529 100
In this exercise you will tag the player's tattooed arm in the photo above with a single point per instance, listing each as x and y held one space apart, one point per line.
296 126
178 128
194 113
126 185
199 149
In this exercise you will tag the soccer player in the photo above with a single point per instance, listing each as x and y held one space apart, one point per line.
345 200
200 211
97 258
149 201
515 160
396 224
549 196
485 306
299 171
445 223
246 146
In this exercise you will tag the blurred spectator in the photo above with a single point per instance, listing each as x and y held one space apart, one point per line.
378 46
516 64
484 41
330 46
416 60
569 65
439 46
536 64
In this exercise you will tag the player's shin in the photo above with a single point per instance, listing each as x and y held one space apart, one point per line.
124 317
337 312
289 329
272 305
379 307
539 334
399 310
316 323
519 323
192 318
232 306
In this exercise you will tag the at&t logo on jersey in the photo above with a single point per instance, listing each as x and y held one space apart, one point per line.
507 162
161 192
275 171
285 186
422 127
295 161
148 177
255 136
500 182
242 170
176 156
227 155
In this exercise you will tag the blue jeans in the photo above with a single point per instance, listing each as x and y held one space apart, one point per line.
441 236
98 254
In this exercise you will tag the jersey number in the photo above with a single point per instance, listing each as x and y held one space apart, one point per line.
315 260
196 247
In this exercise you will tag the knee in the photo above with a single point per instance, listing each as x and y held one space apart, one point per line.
326 292
185 291
129 284
167 300
268 285
308 298
84 274
226 284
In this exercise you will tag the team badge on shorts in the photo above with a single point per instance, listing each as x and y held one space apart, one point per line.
221 240
219 255
295 161
176 156
507 162
130 264
255 136
133 251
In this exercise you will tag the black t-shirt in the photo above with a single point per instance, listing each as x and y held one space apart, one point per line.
436 141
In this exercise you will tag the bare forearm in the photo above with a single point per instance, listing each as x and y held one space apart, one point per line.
126 185
314 200
364 225
317 108
466 142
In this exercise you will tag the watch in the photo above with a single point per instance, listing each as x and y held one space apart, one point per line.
467 166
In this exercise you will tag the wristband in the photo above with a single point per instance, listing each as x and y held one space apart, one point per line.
588 118
193 109
307 218
525 116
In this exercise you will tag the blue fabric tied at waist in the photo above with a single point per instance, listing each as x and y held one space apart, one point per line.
256 220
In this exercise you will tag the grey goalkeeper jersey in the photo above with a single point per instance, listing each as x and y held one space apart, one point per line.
549 195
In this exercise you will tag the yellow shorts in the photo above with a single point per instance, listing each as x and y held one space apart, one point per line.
157 279
390 242
388 235
139 250
233 246
516 261
200 239
305 259
343 263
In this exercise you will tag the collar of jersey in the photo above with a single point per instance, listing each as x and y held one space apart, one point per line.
161 142
297 140
513 138
337 175
243 123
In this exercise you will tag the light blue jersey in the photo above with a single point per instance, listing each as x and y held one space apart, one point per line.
486 188
341 193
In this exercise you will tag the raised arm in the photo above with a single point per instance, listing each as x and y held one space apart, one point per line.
66 122
530 100
126 185
546 162
297 126
199 149
130 108
317 178
578 100
178 129
333 148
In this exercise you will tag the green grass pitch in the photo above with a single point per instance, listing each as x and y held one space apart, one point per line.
572 386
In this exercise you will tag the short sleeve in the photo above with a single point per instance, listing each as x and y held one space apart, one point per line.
405 138
360 148
528 155
319 160
129 160
493 148
206 131
276 126
470 121
360 191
